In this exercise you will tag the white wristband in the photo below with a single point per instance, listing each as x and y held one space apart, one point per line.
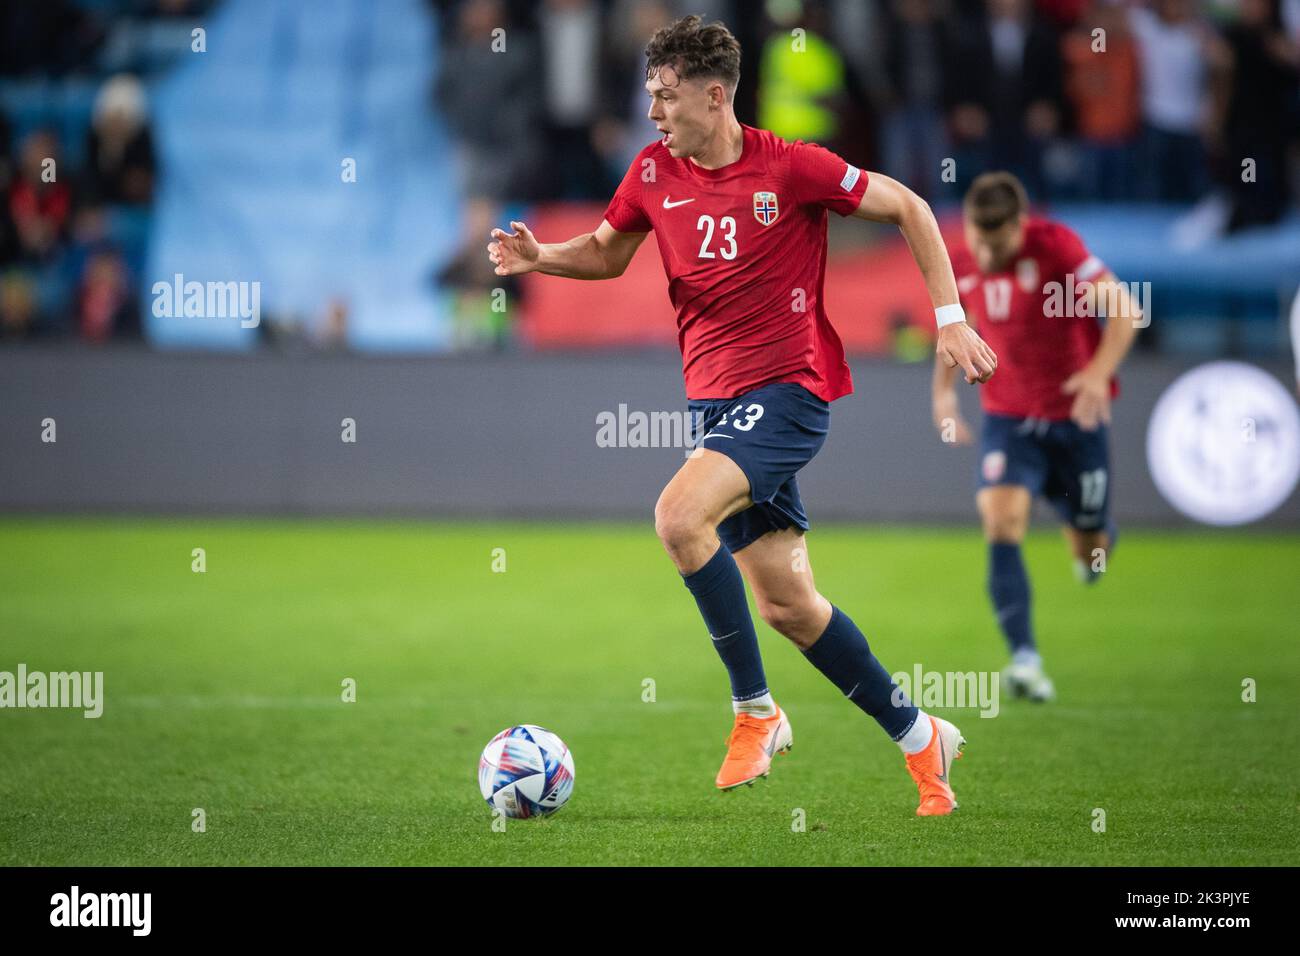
948 314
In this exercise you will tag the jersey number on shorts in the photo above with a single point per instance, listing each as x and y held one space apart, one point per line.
1092 489
728 225
752 414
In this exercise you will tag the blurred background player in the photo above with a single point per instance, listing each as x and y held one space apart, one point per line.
1035 293
740 218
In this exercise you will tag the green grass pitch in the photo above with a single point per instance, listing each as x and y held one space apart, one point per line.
223 692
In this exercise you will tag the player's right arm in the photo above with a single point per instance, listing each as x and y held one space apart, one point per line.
887 200
603 254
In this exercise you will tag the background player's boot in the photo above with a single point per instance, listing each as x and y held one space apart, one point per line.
1026 679
751 746
929 768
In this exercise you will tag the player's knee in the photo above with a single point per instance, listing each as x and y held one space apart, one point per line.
677 526
1003 527
794 618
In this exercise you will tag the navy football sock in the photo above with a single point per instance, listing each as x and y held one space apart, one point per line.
720 593
1009 589
844 656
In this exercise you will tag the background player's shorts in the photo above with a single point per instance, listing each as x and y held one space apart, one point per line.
1068 466
770 433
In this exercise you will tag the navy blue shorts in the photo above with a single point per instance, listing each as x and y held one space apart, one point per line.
1068 466
770 433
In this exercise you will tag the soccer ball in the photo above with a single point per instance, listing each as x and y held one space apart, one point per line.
525 771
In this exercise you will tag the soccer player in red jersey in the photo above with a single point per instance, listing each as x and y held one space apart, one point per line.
740 219
1036 293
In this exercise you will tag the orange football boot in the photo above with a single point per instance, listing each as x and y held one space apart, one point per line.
751 746
929 768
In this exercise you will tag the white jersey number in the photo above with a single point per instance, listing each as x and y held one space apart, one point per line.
752 414
997 298
1092 489
728 226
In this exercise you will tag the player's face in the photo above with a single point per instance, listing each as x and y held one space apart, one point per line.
682 111
995 248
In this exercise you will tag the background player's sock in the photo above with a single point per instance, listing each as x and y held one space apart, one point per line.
1009 589
1083 572
763 706
1087 571
918 736
1028 657
843 655
719 591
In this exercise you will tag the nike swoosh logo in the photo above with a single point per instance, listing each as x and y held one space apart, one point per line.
674 205
771 747
725 636
943 761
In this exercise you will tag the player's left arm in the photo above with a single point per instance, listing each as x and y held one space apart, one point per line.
887 200
1090 386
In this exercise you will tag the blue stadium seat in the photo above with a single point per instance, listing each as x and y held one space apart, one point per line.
252 135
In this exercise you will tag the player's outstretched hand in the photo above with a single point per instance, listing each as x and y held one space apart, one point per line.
958 345
1091 399
513 252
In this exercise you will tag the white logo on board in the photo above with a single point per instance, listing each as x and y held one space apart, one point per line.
1223 444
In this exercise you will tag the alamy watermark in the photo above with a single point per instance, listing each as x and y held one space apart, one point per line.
633 428
960 689
75 908
1085 299
77 690
208 300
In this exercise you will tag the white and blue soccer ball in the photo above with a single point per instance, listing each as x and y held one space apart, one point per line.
525 771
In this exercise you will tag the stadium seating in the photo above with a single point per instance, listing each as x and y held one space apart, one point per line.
252 136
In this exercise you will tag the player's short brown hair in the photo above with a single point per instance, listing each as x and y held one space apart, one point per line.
693 48
994 199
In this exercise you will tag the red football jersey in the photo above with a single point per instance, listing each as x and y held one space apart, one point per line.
744 249
1029 316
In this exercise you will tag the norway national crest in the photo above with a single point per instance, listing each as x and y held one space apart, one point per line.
765 210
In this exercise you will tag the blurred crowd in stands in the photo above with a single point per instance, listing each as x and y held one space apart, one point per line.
1091 100
1076 95
77 160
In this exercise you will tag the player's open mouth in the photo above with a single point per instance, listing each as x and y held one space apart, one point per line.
668 138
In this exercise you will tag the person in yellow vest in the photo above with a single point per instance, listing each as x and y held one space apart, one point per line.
800 77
